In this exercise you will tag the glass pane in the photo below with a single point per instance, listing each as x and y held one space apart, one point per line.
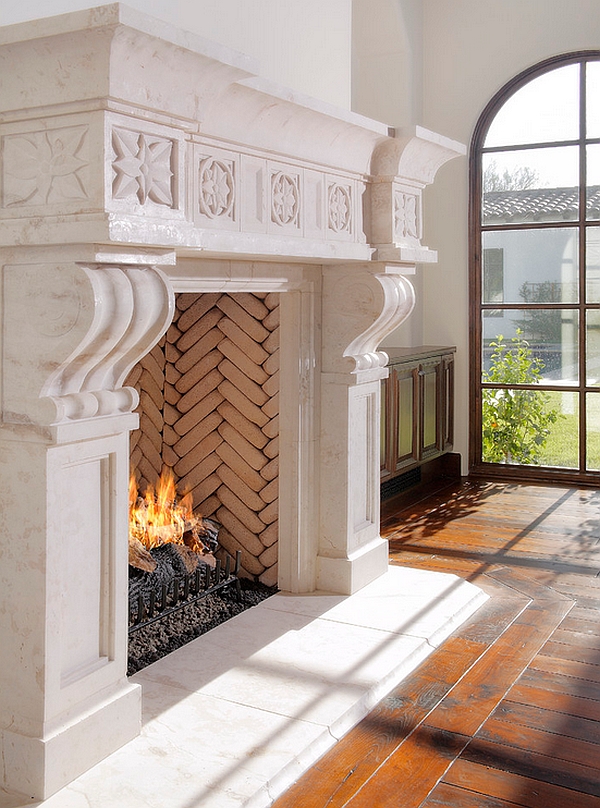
561 447
544 110
592 265
592 342
405 416
531 185
530 266
529 427
429 410
593 182
593 99
592 405
531 346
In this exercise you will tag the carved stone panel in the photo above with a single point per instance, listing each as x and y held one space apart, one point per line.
407 223
216 188
143 167
43 168
339 208
285 199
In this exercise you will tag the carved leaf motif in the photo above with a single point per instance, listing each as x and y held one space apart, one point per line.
405 216
285 199
142 167
44 167
339 208
217 188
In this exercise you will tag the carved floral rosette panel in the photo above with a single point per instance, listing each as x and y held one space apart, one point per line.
144 173
248 193
48 168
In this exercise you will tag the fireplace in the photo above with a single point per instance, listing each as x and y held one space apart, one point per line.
209 410
121 200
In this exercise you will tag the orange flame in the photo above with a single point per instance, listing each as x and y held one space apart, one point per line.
159 516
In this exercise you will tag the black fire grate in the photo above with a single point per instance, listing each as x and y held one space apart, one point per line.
183 591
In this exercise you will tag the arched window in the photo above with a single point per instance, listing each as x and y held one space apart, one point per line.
535 276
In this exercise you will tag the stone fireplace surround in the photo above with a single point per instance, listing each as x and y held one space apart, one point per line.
117 192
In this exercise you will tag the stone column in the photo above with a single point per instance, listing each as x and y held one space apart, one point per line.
361 305
71 331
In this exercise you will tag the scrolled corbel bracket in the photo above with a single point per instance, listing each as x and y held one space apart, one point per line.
361 307
133 307
398 303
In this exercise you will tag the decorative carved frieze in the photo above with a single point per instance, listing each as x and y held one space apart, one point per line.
340 208
285 199
42 168
143 167
216 191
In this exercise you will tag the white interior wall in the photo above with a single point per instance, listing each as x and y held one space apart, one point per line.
302 45
471 48
387 86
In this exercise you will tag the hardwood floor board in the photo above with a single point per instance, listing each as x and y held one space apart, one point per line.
408 776
546 544
447 796
577 639
559 683
522 562
526 585
583 625
568 667
574 652
522 790
478 693
544 768
577 584
569 582
552 720
584 613
492 619
541 741
436 563
589 603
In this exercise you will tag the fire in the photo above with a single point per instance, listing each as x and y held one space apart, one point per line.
159 516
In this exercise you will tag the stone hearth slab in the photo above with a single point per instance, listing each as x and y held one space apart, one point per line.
233 718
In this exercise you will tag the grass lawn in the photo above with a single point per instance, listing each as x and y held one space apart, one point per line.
562 446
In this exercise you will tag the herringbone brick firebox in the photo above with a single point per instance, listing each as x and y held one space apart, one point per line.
209 409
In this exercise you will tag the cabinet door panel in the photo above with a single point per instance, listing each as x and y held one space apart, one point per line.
405 385
430 377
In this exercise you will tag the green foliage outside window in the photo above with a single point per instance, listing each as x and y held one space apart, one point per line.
515 423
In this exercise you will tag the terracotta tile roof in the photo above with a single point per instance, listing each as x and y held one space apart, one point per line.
538 205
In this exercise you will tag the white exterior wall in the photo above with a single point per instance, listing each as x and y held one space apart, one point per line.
302 45
471 48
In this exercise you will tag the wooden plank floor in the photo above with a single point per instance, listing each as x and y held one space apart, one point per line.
507 711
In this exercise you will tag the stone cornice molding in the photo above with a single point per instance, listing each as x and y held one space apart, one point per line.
414 154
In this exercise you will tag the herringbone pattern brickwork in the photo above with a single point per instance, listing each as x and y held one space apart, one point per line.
209 408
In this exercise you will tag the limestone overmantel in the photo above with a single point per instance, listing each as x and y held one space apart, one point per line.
117 191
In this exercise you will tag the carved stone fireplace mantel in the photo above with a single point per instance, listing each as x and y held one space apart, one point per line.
138 162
